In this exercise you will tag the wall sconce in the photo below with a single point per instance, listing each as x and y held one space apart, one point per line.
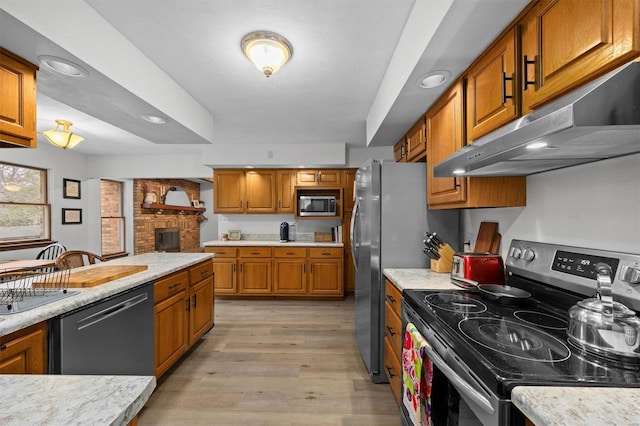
61 135
268 51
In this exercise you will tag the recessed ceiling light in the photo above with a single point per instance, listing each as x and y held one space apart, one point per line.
433 79
63 66
155 119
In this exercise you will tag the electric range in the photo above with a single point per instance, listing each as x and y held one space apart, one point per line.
486 348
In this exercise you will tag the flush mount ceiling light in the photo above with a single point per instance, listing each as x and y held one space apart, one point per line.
63 66
433 79
11 187
155 119
61 135
268 51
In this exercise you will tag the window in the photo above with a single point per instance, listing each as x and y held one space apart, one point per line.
25 215
112 218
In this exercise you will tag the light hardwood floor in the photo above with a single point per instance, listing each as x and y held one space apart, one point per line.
273 362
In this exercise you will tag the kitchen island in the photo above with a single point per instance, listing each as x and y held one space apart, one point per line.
159 265
72 400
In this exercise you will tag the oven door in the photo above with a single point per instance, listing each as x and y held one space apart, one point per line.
478 405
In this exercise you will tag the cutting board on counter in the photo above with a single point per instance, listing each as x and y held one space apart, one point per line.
487 234
101 274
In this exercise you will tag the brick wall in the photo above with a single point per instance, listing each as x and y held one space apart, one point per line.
147 220
111 212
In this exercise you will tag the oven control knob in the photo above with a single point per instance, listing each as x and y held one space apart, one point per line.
528 254
630 275
516 252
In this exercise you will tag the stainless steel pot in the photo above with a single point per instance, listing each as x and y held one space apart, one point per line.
602 326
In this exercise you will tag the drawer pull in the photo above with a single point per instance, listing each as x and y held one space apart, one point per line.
204 273
391 332
188 305
389 372
391 299
324 253
194 300
290 253
3 347
172 286
255 252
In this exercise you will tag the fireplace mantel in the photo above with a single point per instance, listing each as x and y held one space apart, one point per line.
173 208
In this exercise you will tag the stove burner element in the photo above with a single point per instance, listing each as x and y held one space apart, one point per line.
454 302
541 320
514 339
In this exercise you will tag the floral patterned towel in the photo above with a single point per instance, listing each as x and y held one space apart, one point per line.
417 371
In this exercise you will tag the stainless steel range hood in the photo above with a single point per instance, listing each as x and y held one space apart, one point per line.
597 121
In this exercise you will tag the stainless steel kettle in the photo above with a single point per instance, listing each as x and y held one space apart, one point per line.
284 232
602 326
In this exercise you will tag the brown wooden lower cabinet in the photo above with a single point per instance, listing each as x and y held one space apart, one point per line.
292 271
184 307
24 351
393 334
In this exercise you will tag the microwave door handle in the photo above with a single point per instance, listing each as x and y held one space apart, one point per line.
459 382
355 244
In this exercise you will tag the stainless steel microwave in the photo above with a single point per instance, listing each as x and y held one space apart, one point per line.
317 205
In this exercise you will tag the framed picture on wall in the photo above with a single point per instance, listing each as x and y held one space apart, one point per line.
71 216
71 188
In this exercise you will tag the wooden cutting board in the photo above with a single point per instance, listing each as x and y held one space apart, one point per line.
486 236
101 274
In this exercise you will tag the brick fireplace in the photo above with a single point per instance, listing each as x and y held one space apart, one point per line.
147 220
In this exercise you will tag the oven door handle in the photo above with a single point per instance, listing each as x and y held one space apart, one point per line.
459 382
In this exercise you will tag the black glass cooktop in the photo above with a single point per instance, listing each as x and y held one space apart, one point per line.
510 345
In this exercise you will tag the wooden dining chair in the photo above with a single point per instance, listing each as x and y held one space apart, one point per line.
76 259
51 252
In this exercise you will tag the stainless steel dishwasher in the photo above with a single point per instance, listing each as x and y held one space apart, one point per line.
113 336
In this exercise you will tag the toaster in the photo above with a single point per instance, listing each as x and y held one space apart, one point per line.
470 269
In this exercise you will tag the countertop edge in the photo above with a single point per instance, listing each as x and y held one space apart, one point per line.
419 279
256 243
578 405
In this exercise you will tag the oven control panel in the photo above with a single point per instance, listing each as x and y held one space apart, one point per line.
573 268
582 265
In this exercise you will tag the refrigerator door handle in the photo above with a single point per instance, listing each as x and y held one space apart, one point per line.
355 244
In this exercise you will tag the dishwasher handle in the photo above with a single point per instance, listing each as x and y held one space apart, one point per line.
111 311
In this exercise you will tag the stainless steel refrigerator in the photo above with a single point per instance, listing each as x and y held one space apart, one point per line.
387 231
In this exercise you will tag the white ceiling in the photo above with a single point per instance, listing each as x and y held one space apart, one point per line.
352 78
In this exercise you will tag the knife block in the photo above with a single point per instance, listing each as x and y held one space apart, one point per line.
446 259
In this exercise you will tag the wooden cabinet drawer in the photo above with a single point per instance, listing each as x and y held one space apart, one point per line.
221 251
393 328
393 370
290 252
200 272
325 252
166 287
393 296
254 252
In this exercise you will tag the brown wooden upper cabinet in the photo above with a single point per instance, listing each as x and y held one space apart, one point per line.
445 132
349 178
493 97
444 124
327 177
260 191
400 150
240 191
566 43
228 191
286 182
417 141
17 101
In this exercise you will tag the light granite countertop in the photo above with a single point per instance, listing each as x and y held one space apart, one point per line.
274 243
578 406
159 264
422 279
52 400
